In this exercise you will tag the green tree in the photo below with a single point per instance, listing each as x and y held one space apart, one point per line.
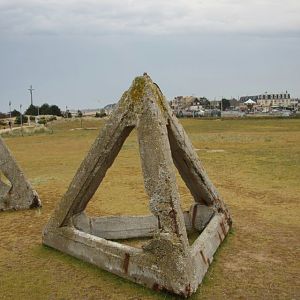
31 110
79 113
101 113
45 109
67 114
54 110
204 102
225 104
18 119
15 113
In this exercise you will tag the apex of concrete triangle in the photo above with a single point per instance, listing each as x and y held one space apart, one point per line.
141 91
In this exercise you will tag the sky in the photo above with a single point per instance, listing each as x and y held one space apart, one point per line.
85 54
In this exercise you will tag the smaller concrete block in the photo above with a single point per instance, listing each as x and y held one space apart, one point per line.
117 227
200 215
20 195
122 227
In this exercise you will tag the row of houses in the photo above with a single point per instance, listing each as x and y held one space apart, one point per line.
273 101
192 106
187 105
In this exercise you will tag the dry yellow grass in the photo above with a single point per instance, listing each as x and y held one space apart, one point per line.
253 163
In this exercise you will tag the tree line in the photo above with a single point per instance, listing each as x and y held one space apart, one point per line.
45 109
33 110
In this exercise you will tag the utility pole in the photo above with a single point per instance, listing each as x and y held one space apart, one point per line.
10 122
9 109
21 119
31 90
221 106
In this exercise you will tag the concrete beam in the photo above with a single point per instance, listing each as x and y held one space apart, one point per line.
20 195
126 227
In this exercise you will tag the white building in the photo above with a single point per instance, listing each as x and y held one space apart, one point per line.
275 100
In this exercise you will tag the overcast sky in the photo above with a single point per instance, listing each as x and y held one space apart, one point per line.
84 54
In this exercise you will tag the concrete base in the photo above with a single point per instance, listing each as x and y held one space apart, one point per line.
141 265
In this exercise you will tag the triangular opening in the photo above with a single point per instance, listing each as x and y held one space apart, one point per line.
186 204
186 198
122 193
199 214
5 185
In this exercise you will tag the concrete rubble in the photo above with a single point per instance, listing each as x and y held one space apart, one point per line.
167 261
16 193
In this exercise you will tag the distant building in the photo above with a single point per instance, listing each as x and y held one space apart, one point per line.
268 101
274 100
246 98
182 102
189 106
234 103
215 103
191 103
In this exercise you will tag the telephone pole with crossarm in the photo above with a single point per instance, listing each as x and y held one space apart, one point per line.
31 90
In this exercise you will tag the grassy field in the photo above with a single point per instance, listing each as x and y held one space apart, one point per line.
255 164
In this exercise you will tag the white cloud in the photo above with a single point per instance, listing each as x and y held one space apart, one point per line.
148 16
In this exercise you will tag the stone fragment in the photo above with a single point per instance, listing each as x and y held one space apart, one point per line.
18 194
167 261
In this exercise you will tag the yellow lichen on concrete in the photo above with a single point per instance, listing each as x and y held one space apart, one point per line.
136 92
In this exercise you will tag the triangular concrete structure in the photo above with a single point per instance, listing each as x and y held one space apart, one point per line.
20 195
167 261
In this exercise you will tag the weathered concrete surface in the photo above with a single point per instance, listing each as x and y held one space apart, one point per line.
153 269
167 261
20 195
126 227
200 215
117 227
